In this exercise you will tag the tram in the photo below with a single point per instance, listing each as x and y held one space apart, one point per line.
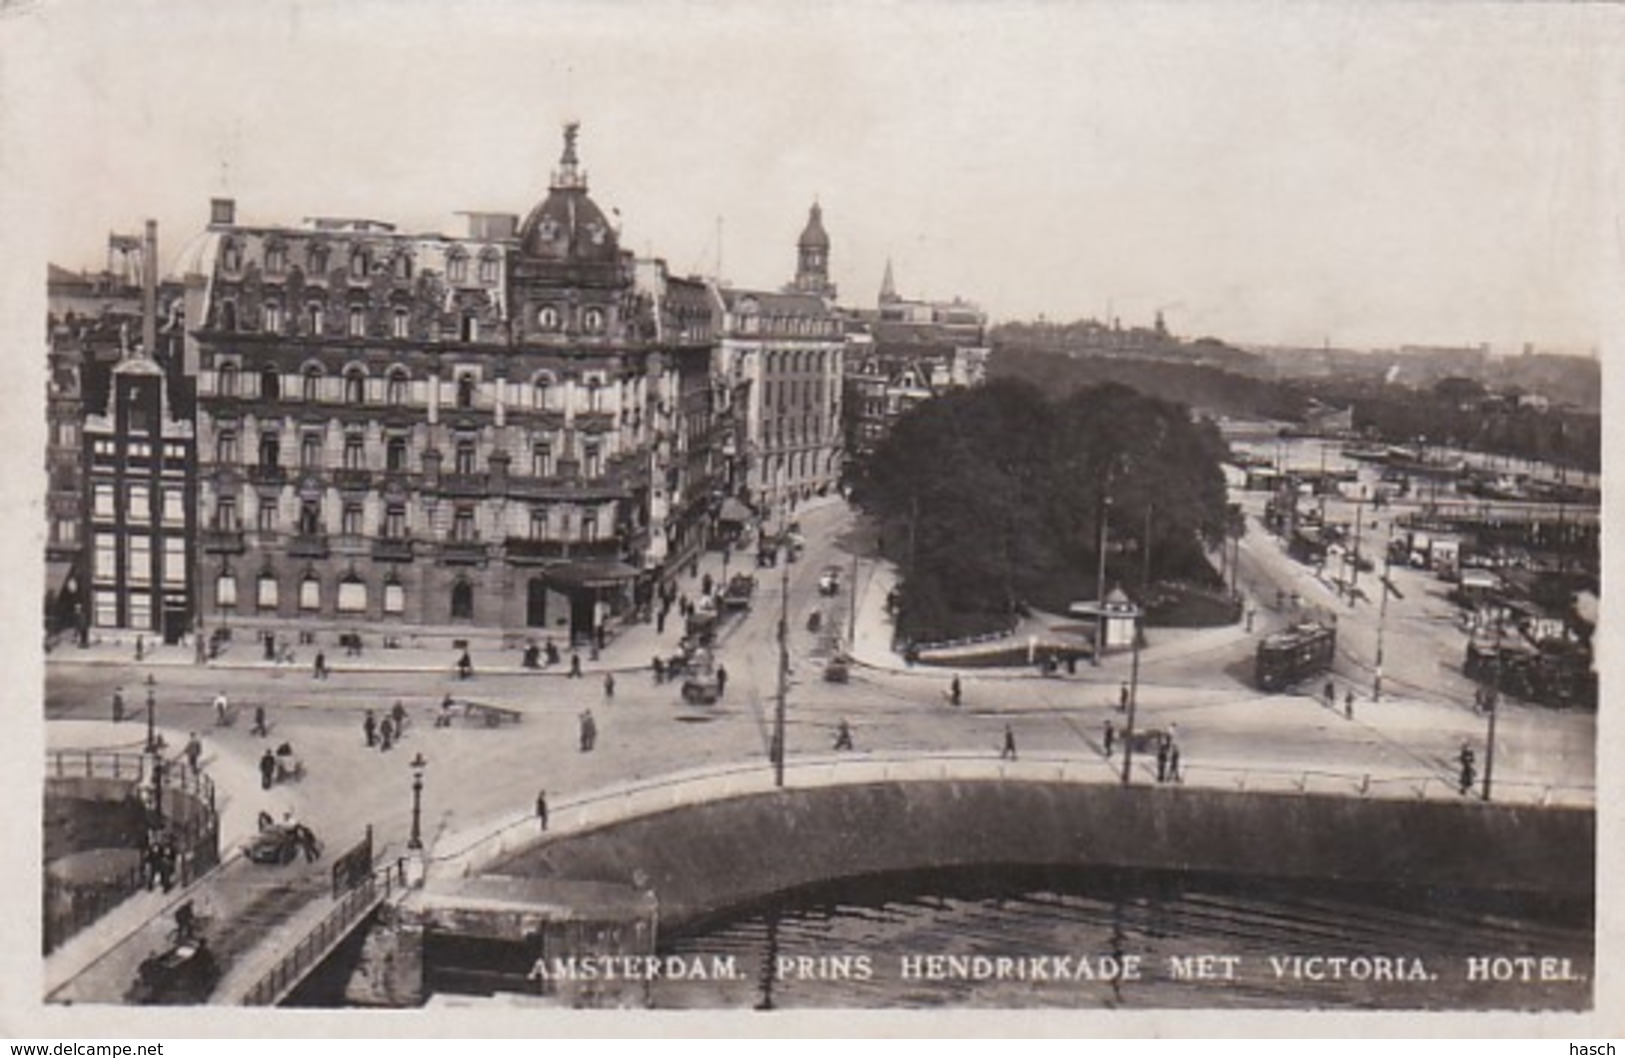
1296 654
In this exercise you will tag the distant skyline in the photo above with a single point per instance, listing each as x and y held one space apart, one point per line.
1368 175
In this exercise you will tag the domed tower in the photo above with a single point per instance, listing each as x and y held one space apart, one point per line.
812 256
569 277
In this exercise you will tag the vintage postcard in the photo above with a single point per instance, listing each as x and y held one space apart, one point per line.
1023 517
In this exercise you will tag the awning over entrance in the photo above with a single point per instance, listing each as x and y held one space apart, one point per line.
734 511
585 574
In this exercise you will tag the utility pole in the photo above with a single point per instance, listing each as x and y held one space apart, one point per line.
1354 577
852 606
1100 585
1145 569
1133 696
1382 612
1495 709
784 670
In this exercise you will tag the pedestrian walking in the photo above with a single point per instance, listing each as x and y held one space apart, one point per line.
397 713
267 769
1122 698
1468 773
722 680
589 731
319 669
843 735
369 728
659 666
1249 619
552 651
118 705
166 856
140 648
1009 750
1331 695
386 735
660 620
575 665
1174 774
705 584
465 666
1162 760
260 727
1110 736
1348 705
955 691
222 708
609 685
541 808
194 751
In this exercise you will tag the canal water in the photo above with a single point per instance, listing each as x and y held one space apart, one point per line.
913 941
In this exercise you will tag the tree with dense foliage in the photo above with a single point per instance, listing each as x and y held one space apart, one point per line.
993 499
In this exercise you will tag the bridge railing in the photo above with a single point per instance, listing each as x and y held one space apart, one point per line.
698 786
349 909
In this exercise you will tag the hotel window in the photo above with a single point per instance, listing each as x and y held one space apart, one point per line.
310 450
457 267
228 315
462 525
395 388
592 459
403 266
106 608
270 383
358 322
489 269
401 326
276 260
541 461
394 597
174 562
352 594
270 451
106 556
548 319
318 259
139 558
265 591
360 264
310 517
539 391
538 523
317 317
310 593
395 521
311 383
271 318
225 447
231 256
351 519
470 328
225 590
104 499
464 458
140 610
355 386
140 509
226 379
465 391
594 387
225 514
395 454
589 526
355 452
266 514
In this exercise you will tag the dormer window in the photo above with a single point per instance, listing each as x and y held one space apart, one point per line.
592 321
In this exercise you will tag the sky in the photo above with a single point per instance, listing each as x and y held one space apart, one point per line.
1366 175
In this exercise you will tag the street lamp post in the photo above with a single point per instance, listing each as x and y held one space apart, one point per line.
152 720
1133 696
415 842
1495 710
1100 585
1382 612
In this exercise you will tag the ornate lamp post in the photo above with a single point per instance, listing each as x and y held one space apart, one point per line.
415 842
1133 697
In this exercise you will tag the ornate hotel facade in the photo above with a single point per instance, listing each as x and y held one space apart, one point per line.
423 433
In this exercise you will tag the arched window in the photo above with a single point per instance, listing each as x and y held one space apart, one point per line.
539 391
276 259
227 378
352 594
548 319
464 457
311 383
403 266
401 323
395 454
270 383
360 263
462 601
457 267
318 260
271 318
465 391
316 317
395 387
490 268
355 386
593 321
358 321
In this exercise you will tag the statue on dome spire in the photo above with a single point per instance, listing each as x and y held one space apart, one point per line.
569 174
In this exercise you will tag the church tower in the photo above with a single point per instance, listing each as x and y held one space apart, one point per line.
812 257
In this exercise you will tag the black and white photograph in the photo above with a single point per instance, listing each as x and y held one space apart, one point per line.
1086 512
